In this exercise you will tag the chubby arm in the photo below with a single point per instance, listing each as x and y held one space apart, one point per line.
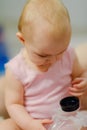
81 51
79 79
14 100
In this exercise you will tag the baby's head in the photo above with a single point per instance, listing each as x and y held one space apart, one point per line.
44 28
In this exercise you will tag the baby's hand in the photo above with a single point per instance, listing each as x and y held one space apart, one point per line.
39 124
79 87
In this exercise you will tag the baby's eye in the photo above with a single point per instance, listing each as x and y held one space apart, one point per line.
42 56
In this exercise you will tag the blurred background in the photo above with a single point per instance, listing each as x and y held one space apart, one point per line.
10 11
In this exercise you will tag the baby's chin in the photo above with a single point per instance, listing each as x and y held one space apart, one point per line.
44 68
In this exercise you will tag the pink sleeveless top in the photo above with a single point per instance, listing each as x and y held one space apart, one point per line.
43 91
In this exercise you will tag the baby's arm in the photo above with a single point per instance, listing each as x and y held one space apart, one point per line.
81 51
79 82
15 105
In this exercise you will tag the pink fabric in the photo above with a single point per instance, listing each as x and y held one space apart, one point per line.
43 91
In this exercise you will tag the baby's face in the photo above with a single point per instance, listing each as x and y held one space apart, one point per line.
46 48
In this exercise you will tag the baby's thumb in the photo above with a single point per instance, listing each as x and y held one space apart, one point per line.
47 121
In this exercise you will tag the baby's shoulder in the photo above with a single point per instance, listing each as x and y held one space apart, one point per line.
20 69
16 61
16 65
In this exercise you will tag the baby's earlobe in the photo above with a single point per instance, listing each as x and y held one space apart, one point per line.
20 37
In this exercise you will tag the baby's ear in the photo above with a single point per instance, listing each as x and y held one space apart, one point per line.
20 37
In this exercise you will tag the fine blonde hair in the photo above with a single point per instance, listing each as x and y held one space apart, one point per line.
53 11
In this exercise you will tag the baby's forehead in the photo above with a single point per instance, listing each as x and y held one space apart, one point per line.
53 11
49 9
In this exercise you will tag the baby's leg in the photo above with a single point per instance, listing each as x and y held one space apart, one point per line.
8 124
3 111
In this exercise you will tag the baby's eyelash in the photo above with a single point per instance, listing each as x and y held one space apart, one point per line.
42 56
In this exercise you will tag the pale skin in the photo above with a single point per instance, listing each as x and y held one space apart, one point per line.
3 111
81 52
45 50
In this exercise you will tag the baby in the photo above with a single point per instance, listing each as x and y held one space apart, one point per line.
45 70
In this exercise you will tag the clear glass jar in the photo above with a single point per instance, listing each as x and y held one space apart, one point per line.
64 119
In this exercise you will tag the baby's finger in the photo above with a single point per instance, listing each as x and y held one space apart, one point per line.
77 80
75 89
81 85
76 94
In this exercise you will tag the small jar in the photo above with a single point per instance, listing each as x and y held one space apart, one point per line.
63 120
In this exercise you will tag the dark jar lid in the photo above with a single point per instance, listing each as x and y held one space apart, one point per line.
69 104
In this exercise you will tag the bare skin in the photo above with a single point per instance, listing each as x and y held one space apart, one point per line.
81 51
3 111
9 124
